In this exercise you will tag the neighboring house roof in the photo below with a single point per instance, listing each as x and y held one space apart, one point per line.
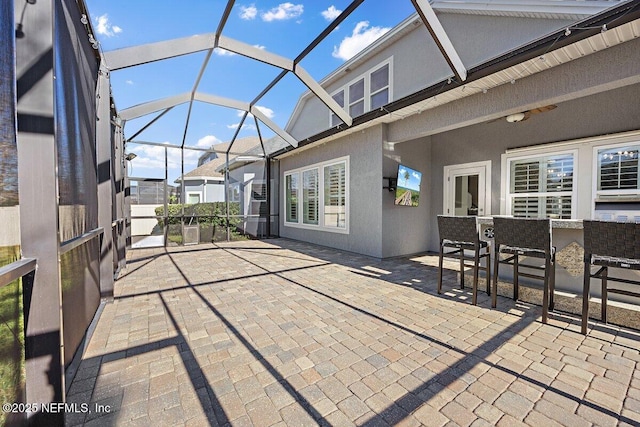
539 55
273 145
208 170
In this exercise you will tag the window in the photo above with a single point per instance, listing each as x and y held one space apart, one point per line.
356 98
193 198
367 92
339 98
291 181
379 87
541 187
310 196
334 195
324 196
617 169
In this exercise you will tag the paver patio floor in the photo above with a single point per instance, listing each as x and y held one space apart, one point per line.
280 332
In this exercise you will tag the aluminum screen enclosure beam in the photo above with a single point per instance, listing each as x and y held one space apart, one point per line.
323 95
151 52
441 38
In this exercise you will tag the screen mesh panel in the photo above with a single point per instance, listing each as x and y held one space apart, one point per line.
76 70
11 319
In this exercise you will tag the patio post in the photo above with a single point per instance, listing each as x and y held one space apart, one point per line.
104 134
38 189
226 190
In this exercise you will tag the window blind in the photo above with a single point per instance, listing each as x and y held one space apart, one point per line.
310 197
334 195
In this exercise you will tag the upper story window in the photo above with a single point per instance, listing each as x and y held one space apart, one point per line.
617 169
541 186
365 93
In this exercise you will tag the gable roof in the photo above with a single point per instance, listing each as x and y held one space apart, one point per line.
612 26
208 170
575 10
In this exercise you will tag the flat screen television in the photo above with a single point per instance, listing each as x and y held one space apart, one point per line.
408 186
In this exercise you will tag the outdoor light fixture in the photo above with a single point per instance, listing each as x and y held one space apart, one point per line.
514 118
130 156
31 1
19 31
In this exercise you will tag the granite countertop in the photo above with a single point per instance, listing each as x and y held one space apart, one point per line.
575 224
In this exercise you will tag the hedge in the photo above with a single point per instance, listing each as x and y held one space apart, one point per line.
202 213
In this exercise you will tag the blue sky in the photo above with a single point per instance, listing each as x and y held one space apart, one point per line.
413 182
284 28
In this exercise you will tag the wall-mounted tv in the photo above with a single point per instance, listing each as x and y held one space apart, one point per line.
408 186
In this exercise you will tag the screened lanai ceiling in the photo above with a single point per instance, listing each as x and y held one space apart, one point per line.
193 74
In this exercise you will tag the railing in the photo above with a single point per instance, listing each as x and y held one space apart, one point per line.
69 245
17 269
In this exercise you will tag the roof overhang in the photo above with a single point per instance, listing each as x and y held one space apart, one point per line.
554 9
622 23
200 178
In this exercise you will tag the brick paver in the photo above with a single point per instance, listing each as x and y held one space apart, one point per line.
285 333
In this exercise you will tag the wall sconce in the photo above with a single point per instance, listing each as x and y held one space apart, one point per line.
130 156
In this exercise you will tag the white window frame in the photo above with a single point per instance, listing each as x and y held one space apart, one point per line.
506 167
317 197
367 88
321 225
194 193
615 192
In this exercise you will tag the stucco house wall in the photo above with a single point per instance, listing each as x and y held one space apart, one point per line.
365 192
417 63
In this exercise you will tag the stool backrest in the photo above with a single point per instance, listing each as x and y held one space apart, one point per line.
458 229
530 233
613 239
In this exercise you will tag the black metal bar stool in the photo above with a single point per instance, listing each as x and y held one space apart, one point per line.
461 233
525 237
608 245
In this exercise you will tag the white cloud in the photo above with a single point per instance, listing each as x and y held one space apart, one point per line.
416 175
129 82
283 11
248 12
207 141
362 36
244 126
264 110
331 13
105 28
223 52
152 157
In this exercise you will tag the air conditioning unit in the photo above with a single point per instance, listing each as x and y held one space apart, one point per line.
190 234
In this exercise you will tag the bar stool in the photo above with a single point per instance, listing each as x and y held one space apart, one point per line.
608 245
528 237
461 233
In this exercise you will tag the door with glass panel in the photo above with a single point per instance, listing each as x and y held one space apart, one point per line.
467 189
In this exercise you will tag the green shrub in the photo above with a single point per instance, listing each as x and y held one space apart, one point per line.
211 217
202 213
